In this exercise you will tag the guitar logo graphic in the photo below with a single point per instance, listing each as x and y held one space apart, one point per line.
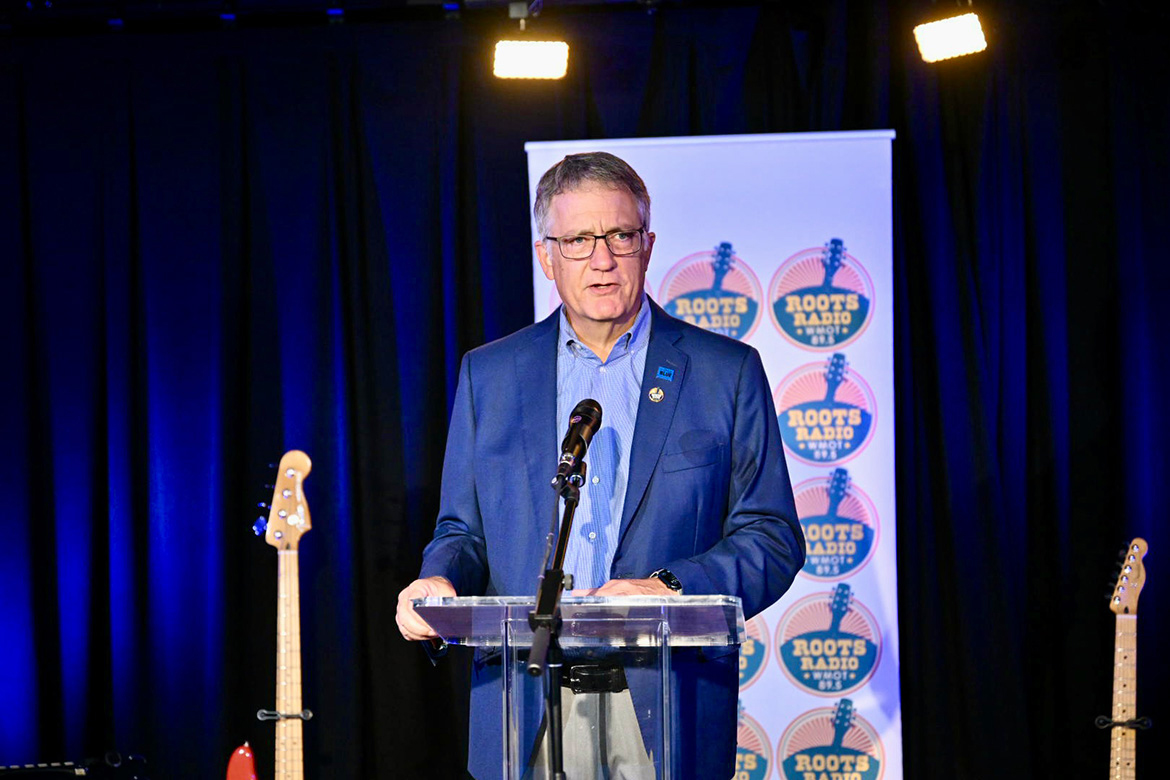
821 298
840 526
831 742
826 412
829 644
715 290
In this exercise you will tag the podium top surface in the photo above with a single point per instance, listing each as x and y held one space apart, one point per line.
590 621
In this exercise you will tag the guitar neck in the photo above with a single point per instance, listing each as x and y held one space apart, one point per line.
1122 758
289 758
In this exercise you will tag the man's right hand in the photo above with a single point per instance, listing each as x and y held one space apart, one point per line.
409 623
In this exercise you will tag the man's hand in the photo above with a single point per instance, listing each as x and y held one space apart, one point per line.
409 623
651 586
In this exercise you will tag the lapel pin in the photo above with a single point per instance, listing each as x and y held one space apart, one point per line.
656 394
665 373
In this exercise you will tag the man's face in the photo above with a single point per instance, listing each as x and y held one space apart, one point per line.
602 289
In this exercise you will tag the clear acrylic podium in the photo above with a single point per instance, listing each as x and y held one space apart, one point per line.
636 631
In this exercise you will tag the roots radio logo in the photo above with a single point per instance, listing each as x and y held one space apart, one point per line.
828 644
753 752
821 298
840 526
714 290
826 416
831 743
753 653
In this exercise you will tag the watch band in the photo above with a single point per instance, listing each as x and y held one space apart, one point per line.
669 580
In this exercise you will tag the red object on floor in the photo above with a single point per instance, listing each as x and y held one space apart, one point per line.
241 766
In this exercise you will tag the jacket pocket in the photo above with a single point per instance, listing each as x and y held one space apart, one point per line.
691 459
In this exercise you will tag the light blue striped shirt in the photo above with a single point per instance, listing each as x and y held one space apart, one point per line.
616 384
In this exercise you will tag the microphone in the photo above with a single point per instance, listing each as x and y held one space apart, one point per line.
583 423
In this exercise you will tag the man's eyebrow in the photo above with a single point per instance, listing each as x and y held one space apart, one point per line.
589 231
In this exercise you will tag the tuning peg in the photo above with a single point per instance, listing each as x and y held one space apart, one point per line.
271 465
260 526
262 505
269 487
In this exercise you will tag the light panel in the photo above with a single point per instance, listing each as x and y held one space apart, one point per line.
531 59
949 38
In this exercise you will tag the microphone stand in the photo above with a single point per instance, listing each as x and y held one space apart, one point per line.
545 621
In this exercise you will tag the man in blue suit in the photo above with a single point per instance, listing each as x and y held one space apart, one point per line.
687 487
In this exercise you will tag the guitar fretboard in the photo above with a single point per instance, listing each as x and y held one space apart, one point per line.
1122 757
290 752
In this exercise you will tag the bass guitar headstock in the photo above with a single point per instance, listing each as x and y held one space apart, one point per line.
288 516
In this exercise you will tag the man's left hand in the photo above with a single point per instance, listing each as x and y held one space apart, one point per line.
651 586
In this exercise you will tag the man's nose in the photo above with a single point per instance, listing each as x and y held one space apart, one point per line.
602 259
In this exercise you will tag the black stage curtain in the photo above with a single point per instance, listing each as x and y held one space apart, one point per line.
218 244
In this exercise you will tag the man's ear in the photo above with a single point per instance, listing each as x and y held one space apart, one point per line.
545 261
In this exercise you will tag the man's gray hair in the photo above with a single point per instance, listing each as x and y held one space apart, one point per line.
577 170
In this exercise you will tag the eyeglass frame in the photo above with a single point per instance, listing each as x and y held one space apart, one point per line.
640 230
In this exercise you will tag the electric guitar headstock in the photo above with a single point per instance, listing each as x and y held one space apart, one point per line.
1131 579
288 517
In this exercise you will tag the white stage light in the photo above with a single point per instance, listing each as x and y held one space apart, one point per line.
949 38
531 59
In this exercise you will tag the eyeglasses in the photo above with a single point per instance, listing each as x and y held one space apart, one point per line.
620 243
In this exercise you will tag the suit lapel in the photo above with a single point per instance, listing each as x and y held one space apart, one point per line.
536 374
654 417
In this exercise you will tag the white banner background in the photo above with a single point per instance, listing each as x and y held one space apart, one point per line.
773 197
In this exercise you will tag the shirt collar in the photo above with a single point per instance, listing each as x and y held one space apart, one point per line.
629 341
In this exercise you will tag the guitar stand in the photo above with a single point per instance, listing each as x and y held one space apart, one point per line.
274 715
1133 723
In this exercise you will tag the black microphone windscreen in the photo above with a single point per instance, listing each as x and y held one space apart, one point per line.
587 414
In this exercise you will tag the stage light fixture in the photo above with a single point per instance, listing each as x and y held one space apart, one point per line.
948 38
529 59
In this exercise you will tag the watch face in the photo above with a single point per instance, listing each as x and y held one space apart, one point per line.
668 579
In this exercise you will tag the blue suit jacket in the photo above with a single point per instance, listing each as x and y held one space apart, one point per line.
708 498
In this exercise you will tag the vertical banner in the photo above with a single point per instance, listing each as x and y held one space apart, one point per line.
786 242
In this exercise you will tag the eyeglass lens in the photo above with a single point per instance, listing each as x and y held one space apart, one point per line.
620 242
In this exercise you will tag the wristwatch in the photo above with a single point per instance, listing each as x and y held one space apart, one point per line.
669 580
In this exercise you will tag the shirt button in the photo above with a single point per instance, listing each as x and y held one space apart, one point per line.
592 534
602 369
596 480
